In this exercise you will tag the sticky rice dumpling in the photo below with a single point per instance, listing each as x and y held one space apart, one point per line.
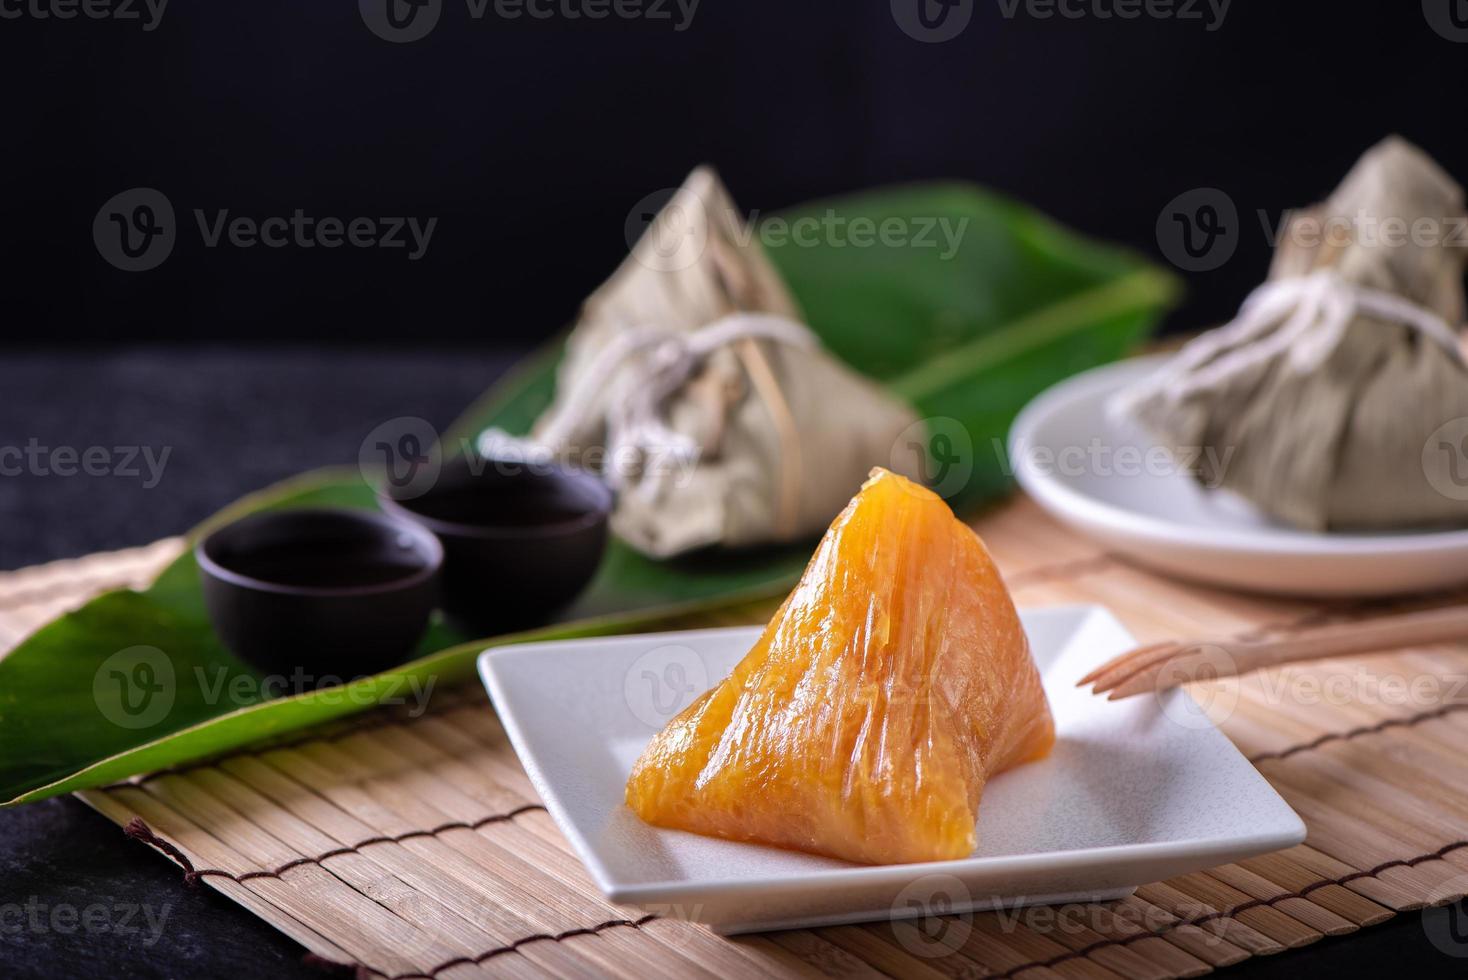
1338 397
692 384
864 724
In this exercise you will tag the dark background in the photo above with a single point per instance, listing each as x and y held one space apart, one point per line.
531 142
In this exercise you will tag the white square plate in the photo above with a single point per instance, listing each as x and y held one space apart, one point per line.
1135 791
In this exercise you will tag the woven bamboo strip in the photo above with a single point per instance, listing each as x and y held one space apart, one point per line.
1284 871
1113 937
403 927
1008 951
1238 932
453 897
783 962
1257 887
1022 539
458 895
826 957
1104 931
120 812
1405 830
1435 805
1206 945
730 960
473 879
1268 920
357 927
410 895
1060 946
1384 886
1340 835
471 855
886 956
416 862
1253 735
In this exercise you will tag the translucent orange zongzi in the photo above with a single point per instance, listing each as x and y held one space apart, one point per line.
891 685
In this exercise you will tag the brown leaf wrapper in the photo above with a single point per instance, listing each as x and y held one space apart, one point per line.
784 433
1352 425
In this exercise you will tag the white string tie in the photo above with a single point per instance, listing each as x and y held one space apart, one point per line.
660 361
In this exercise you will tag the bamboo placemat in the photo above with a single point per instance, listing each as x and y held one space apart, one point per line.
405 847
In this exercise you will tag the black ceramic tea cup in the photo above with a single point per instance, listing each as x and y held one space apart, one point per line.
332 594
520 539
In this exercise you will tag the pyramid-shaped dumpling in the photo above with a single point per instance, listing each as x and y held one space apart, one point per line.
894 681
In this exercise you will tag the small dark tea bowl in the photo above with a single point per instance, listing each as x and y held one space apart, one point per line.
520 539
331 593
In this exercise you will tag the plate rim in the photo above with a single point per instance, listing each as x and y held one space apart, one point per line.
1064 499
1229 849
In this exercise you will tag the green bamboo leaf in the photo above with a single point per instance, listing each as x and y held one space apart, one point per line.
966 320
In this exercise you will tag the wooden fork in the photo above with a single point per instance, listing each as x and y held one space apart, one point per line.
1159 666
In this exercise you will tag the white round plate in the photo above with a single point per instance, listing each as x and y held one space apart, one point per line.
1113 483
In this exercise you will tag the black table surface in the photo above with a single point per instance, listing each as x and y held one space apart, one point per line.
76 897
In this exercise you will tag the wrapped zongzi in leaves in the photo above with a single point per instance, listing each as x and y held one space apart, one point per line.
1336 395
692 384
